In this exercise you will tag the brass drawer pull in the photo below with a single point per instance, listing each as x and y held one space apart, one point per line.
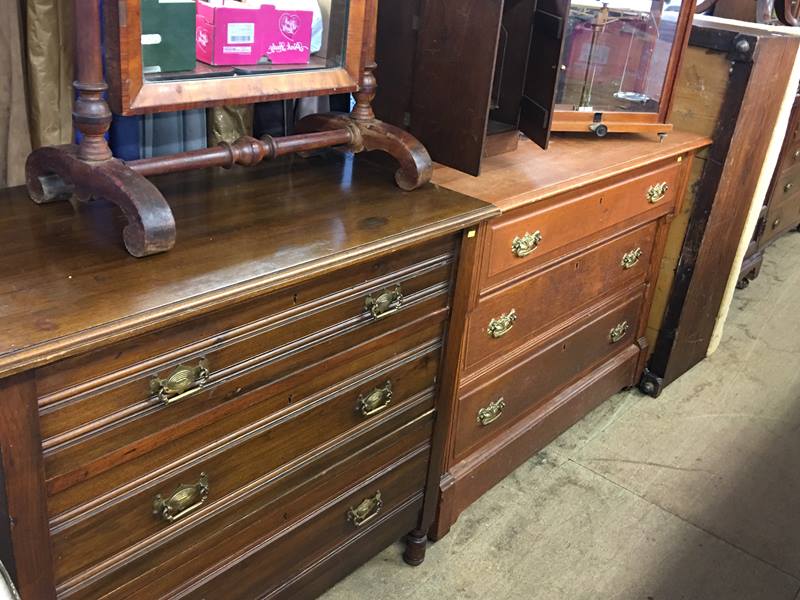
184 382
490 414
523 246
366 511
186 499
376 401
657 192
796 154
502 325
629 259
388 302
619 332
788 187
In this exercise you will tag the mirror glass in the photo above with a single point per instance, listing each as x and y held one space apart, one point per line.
616 55
195 39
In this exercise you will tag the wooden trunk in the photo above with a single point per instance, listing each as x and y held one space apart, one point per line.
730 88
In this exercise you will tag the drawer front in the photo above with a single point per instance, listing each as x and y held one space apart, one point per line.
514 391
524 239
782 216
215 363
505 320
88 532
258 392
266 539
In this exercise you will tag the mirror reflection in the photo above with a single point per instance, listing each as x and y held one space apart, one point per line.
189 39
616 55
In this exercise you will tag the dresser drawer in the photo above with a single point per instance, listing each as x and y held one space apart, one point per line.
284 526
505 320
523 239
513 391
258 392
114 503
216 363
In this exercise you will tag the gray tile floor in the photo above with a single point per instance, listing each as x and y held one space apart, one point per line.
694 495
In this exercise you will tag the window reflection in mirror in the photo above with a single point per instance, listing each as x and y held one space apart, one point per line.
191 39
616 55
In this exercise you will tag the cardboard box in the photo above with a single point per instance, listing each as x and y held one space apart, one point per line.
243 33
168 35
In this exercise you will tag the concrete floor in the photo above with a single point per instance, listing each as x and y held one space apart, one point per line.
694 495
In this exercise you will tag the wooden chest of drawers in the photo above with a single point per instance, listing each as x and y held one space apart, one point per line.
781 210
556 320
250 415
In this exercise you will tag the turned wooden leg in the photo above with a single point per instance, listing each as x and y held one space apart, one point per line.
416 543
55 173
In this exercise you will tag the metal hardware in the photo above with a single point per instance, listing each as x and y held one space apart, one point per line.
796 154
490 414
775 223
788 187
523 246
629 259
502 325
471 233
619 332
657 192
185 381
366 511
388 302
185 499
377 400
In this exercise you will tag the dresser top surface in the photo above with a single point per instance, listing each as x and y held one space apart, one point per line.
530 174
67 283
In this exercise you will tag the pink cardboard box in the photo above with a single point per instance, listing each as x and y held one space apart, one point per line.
241 33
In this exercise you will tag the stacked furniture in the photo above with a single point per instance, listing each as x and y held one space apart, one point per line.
249 415
781 210
730 88
562 286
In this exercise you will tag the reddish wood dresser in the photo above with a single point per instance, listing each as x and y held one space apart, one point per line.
248 415
562 284
781 210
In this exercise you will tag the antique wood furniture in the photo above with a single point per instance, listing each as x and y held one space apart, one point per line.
465 76
89 170
563 283
781 210
730 88
456 73
619 65
250 415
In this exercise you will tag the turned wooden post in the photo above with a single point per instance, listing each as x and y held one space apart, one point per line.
368 85
91 114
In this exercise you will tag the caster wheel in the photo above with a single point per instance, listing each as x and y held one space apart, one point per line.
599 129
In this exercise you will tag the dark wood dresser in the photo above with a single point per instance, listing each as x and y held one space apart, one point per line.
781 210
563 284
248 415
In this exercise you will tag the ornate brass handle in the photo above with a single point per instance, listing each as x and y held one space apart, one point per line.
376 401
523 246
629 259
366 511
185 499
619 332
184 382
388 302
501 325
490 414
657 191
